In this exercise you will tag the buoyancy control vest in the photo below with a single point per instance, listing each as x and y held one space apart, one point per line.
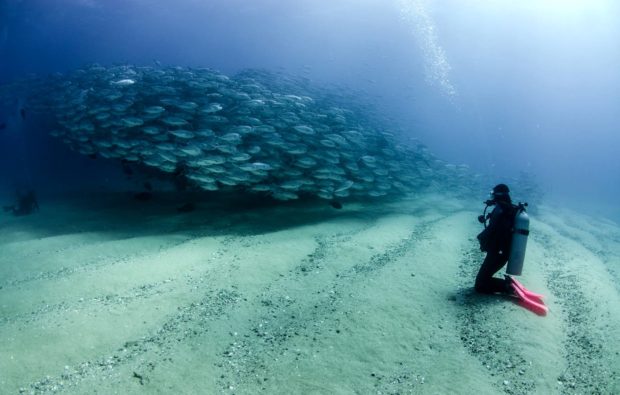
507 232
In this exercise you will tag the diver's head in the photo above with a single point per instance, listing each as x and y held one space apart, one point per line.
501 193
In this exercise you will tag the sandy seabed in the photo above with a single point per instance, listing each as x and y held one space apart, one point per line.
112 296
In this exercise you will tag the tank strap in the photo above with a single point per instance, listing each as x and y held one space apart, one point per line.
522 232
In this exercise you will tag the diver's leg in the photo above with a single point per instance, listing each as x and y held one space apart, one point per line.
485 282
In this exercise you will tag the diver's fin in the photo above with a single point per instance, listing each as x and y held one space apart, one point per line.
534 305
526 292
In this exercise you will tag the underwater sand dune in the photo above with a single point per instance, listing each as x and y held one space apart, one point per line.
298 298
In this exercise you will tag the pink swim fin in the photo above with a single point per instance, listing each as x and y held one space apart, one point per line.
526 292
533 305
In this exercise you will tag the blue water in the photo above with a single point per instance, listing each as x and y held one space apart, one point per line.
528 87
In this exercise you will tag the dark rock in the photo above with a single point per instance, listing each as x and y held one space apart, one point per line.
335 204
143 196
186 208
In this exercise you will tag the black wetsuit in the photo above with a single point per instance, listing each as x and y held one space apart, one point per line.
495 239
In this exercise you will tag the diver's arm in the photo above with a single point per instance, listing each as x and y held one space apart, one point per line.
494 219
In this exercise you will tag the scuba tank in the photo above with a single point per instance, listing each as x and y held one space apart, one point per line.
521 230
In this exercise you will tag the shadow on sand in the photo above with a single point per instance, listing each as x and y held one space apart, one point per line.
123 216
476 301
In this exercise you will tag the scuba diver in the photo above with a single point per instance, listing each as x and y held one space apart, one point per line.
496 240
504 240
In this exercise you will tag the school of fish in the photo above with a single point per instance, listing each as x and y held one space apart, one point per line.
255 132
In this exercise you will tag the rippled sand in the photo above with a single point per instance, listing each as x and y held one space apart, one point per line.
115 296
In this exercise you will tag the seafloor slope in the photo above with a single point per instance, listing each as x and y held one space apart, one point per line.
99 297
